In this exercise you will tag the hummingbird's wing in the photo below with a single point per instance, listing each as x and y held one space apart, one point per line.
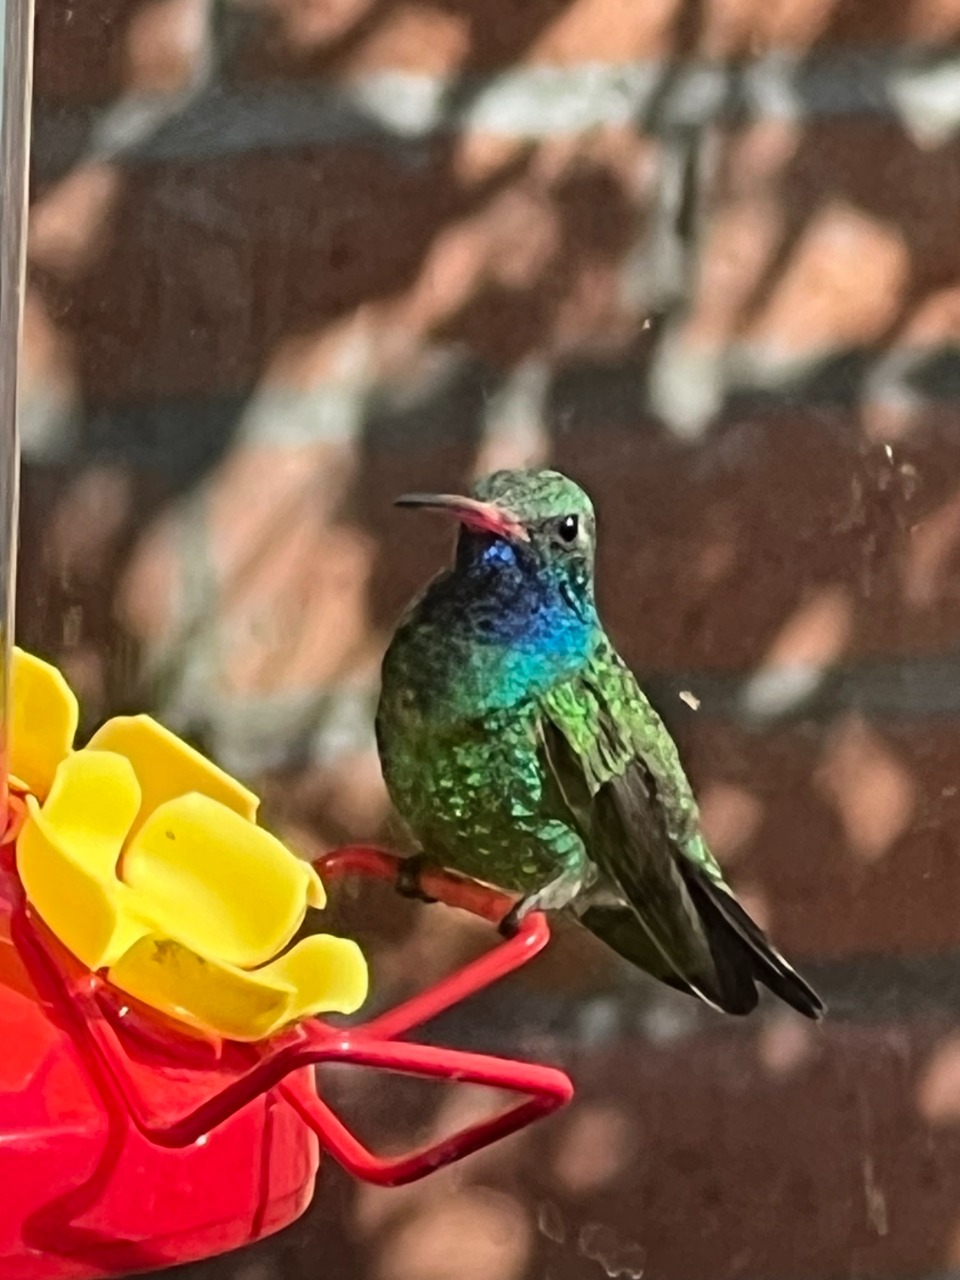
618 772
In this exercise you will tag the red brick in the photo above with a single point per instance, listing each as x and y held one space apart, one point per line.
813 245
787 536
750 26
71 225
832 235
79 50
164 45
852 847
190 276
147 600
46 364
445 39
352 37
489 1233
90 53
288 587
291 579
812 1162
70 566
205 273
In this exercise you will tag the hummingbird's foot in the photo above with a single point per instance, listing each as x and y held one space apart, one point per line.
407 882
509 926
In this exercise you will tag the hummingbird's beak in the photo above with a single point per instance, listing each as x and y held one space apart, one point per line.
483 517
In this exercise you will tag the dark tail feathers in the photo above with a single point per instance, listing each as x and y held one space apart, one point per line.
742 952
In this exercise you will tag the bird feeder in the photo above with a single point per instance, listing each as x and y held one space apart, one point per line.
147 1119
128 1145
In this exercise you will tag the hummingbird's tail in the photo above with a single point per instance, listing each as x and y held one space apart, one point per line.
656 896
740 954
740 949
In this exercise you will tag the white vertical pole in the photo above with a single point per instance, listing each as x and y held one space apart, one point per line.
16 76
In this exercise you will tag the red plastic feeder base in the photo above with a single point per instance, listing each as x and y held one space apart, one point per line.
126 1145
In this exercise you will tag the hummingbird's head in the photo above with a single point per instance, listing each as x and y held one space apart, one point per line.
532 526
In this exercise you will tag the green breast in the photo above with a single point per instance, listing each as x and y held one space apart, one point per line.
472 791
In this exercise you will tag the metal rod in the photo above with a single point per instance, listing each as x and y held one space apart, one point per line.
16 79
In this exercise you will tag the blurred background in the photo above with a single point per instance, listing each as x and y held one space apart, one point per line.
288 258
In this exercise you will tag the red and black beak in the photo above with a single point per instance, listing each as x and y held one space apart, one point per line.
483 517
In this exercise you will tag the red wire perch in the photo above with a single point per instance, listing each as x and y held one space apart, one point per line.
176 1088
374 1043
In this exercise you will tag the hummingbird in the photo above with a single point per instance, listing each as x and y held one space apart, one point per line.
518 747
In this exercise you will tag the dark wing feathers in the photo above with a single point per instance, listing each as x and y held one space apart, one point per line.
631 846
674 917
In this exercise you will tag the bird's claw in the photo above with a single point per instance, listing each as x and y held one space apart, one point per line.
509 926
407 882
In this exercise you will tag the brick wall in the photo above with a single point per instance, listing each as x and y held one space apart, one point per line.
291 257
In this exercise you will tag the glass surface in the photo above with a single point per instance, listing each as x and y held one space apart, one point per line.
16 21
291 258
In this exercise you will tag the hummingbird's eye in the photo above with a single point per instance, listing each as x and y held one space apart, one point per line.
568 529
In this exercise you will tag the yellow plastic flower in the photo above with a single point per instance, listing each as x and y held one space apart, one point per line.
145 860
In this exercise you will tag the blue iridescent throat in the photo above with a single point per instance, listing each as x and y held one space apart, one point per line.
515 600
